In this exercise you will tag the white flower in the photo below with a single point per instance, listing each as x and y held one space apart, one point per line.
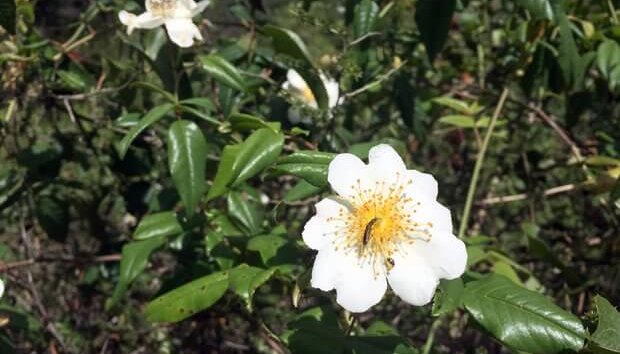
1 288
176 15
384 225
299 89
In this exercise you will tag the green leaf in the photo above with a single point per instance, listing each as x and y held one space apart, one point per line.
458 120
274 250
244 280
301 190
53 216
135 256
608 57
187 151
289 43
223 71
366 13
73 80
433 19
247 213
245 122
258 151
522 319
188 299
458 105
151 117
449 297
310 165
315 331
162 224
568 56
7 15
539 9
225 173
606 337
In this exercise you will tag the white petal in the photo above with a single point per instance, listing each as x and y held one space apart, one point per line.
431 211
1 288
445 253
333 91
347 174
199 7
320 229
295 80
386 164
357 286
182 31
412 278
424 184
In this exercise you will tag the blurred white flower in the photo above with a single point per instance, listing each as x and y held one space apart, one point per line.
1 288
384 226
300 90
175 15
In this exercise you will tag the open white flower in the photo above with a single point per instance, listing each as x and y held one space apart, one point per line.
299 89
176 15
384 225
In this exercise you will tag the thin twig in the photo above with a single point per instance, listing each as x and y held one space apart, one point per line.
522 196
32 261
431 336
381 78
474 179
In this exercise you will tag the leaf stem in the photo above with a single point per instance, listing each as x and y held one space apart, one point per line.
431 336
474 179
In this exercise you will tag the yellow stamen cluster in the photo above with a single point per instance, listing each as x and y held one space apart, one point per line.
380 221
162 8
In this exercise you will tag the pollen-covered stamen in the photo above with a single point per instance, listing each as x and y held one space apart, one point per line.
161 8
380 222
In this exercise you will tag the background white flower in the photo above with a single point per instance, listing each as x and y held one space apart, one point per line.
297 86
176 15
384 225
1 288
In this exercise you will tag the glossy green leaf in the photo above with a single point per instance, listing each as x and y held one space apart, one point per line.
127 120
288 42
275 250
244 280
606 337
316 330
522 319
433 19
162 224
248 214
449 296
225 173
310 165
223 71
135 256
188 299
245 122
7 15
458 105
258 151
151 117
187 151
366 13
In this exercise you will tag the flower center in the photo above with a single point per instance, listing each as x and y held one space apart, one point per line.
161 8
380 221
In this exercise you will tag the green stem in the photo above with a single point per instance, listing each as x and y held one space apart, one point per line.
474 179
431 336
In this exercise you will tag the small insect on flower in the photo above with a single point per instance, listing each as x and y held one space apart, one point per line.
383 226
175 15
